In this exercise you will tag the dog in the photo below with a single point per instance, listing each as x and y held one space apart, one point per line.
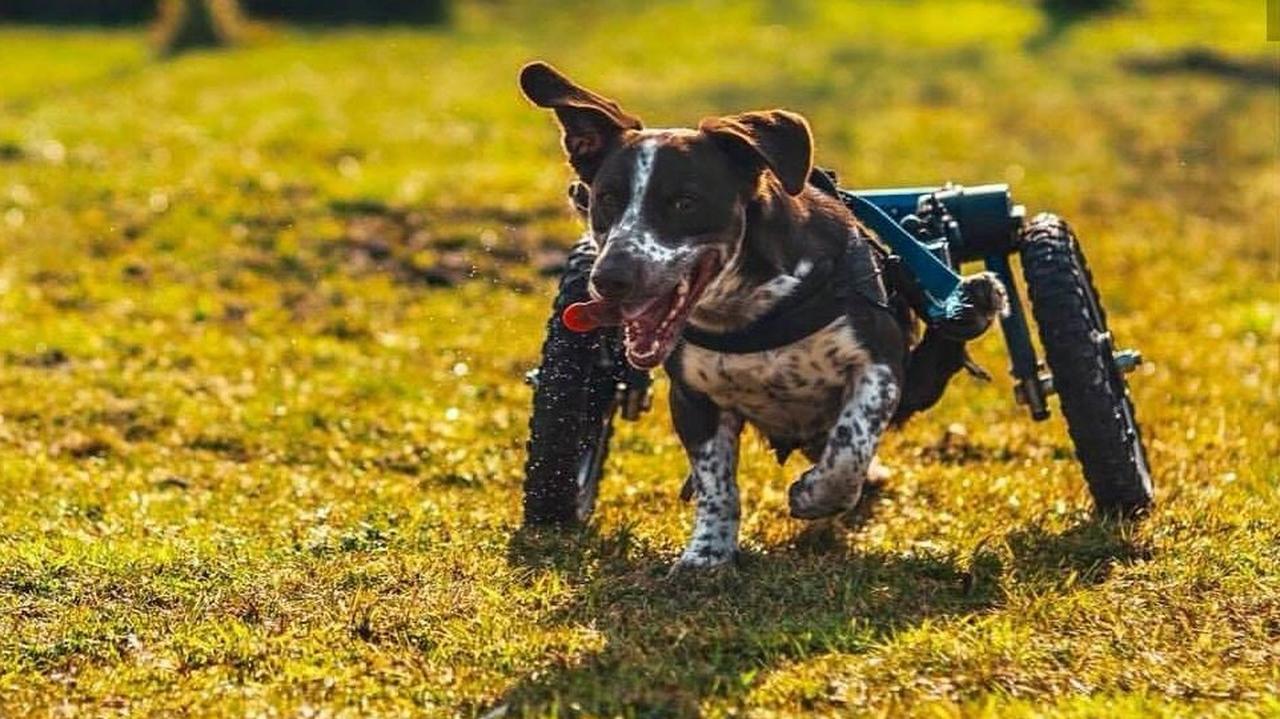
758 291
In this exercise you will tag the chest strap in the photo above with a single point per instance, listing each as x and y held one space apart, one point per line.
821 298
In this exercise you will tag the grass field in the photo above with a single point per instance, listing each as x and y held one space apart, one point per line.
264 315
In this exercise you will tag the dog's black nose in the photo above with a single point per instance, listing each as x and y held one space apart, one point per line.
613 278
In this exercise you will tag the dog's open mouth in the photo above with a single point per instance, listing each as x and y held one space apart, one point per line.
651 327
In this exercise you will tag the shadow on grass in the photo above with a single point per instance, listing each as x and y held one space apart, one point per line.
670 643
1261 71
1081 556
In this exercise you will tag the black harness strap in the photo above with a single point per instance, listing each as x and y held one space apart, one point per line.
821 298
816 303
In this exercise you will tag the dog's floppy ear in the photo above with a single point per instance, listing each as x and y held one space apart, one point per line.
775 139
592 123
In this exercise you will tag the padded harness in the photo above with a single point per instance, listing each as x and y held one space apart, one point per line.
821 298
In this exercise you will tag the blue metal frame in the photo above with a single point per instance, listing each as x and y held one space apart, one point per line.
1017 339
985 211
940 283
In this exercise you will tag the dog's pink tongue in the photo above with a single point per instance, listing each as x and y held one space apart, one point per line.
587 316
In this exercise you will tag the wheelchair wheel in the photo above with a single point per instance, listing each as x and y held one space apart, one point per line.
1080 353
573 407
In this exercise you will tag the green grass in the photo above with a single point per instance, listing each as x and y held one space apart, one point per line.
254 459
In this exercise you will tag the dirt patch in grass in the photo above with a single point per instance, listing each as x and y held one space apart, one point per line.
445 248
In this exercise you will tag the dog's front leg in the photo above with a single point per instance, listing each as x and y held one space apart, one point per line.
834 483
713 468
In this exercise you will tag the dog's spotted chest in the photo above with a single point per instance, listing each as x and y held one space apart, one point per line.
792 393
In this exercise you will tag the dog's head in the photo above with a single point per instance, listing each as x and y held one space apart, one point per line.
667 207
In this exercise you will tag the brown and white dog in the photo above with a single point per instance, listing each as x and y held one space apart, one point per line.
711 228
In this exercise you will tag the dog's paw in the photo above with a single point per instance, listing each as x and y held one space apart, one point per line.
700 560
878 471
819 494
970 310
986 294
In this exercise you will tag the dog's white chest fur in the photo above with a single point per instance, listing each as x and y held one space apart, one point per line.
793 392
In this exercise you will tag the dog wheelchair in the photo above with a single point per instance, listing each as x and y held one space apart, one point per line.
584 383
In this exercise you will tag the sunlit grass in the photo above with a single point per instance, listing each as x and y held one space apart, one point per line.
252 461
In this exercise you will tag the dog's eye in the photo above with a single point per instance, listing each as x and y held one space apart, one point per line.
684 203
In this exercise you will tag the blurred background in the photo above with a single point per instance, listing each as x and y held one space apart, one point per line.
271 272
135 12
